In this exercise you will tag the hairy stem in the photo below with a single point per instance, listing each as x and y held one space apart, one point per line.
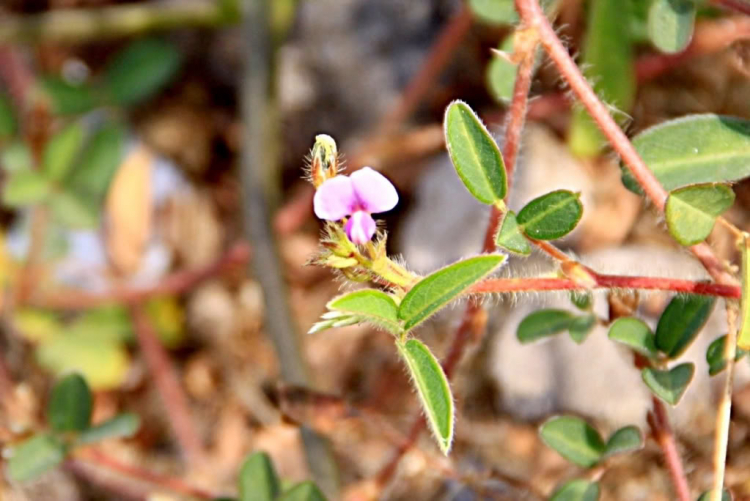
662 433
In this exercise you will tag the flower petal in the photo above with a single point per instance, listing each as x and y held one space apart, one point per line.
360 228
374 191
335 199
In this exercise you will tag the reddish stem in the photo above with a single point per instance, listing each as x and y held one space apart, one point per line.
737 5
662 433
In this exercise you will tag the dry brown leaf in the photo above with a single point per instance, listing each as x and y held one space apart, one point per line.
129 211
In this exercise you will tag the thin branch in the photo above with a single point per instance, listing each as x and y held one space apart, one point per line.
737 5
662 433
167 382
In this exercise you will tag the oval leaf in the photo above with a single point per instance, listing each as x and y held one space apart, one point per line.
694 149
70 404
634 334
574 439
670 24
141 70
669 385
71 211
121 426
374 305
692 211
580 327
438 289
34 456
433 389
551 216
304 491
715 355
501 73
681 321
61 151
69 99
101 157
510 237
258 480
25 187
743 338
577 490
494 11
543 323
474 154
626 439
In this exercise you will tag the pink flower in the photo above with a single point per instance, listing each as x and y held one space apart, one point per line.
363 193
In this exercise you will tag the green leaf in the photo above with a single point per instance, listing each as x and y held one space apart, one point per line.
474 154
112 323
25 188
694 149
69 99
743 338
121 426
70 404
670 24
715 355
626 439
7 117
304 491
692 211
432 387
441 287
634 334
258 480
577 490
100 159
16 157
551 216
494 11
370 304
543 323
61 152
608 62
671 384
725 496
36 325
141 70
583 300
580 327
501 73
510 237
35 456
73 212
681 321
573 439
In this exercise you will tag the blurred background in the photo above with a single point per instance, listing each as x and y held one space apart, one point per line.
157 229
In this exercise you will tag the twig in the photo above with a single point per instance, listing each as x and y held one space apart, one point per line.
81 25
166 380
737 5
662 433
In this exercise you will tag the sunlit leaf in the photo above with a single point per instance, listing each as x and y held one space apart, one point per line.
70 404
501 73
682 319
61 152
141 70
25 187
258 480
669 385
691 211
577 490
574 439
121 426
494 11
72 211
35 456
670 24
36 325
635 334
550 216
373 305
16 157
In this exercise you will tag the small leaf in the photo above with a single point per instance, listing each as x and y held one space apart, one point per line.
111 323
543 323
70 404
551 216
16 157
474 154
682 319
36 325
69 99
494 11
743 338
715 355
694 149
141 70
670 24
61 151
725 496
73 212
432 387
501 73
121 426
35 456
374 305
580 327
441 287
671 384
634 334
101 157
574 439
626 439
258 480
577 490
304 491
692 211
7 117
25 188
582 300
510 237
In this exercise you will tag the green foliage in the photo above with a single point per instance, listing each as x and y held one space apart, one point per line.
715 355
69 99
99 161
577 490
669 385
681 321
70 404
25 187
635 334
121 426
61 151
608 59
580 327
494 11
35 456
545 323
551 216
303 491
8 124
367 304
474 154
433 389
510 237
258 480
140 70
691 211
671 23
725 496
501 73
441 287
626 439
583 300
71 211
574 439
694 149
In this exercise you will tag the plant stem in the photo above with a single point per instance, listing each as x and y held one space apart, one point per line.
737 5
662 433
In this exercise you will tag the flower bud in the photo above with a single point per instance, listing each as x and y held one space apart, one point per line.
324 159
